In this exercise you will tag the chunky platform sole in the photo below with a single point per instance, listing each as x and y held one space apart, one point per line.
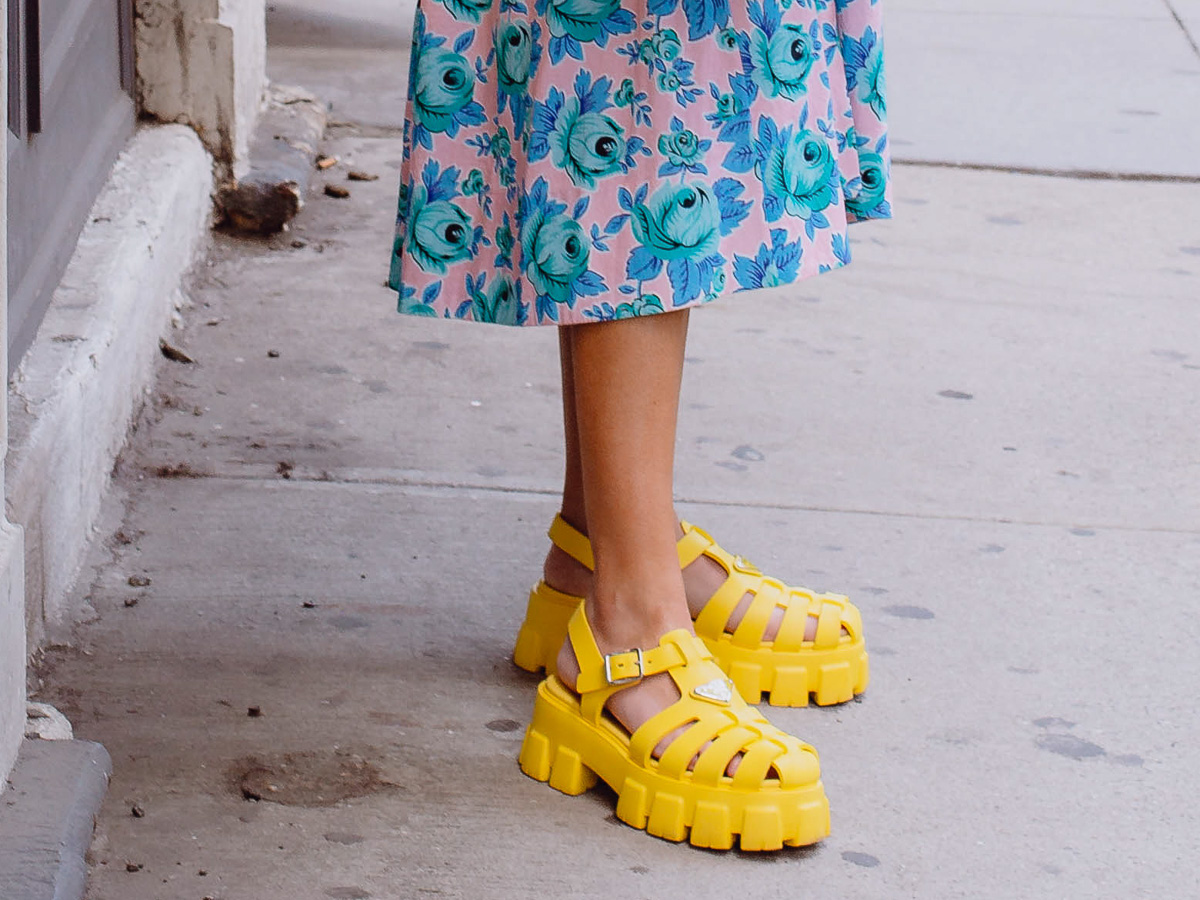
828 677
563 749
544 629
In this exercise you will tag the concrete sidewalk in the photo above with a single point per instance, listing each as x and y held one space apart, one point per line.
983 430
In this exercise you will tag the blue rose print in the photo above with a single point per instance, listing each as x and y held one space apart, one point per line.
681 225
579 137
554 251
798 173
442 86
703 16
865 194
573 23
586 145
646 305
679 221
683 150
773 265
467 10
781 61
514 57
865 72
500 303
440 233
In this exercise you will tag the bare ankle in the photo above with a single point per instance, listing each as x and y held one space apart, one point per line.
565 574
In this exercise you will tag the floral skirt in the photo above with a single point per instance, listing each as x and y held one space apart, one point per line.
587 160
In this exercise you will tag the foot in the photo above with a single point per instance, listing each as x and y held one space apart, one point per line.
637 704
701 579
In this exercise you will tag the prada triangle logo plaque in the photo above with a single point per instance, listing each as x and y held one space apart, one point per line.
719 690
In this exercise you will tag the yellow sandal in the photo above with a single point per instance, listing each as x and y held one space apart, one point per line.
831 668
774 798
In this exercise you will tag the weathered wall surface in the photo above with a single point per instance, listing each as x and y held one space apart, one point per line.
12 597
12 646
203 63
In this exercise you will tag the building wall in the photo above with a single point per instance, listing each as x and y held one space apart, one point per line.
12 583
203 63
54 175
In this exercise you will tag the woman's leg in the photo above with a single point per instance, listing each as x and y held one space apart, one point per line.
625 378
561 571
701 579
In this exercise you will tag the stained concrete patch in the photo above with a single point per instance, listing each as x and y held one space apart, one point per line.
866 860
1053 722
346 838
1069 746
306 779
902 611
1128 759
503 726
748 453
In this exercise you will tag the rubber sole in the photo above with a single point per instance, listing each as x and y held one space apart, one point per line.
570 754
826 677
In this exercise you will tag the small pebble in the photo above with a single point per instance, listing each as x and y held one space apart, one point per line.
274 354
137 812
336 190
254 712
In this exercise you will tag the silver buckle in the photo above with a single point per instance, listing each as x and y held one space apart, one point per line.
641 665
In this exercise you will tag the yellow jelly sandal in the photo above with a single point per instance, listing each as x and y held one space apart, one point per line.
831 668
774 798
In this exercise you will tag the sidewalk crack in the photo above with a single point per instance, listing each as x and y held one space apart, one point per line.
1183 27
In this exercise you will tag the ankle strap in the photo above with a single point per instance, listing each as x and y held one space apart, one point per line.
572 542
601 676
693 543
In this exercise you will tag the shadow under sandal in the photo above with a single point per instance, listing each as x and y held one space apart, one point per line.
831 668
774 798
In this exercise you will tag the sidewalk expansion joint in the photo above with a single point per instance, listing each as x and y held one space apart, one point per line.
1182 26
434 485
1074 174
341 127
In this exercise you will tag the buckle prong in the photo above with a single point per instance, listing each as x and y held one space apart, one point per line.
641 665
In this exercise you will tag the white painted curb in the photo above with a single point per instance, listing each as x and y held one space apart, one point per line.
77 390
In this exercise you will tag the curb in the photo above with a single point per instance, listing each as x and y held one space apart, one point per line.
47 818
75 393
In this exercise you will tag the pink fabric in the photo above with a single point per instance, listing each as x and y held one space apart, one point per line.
693 150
